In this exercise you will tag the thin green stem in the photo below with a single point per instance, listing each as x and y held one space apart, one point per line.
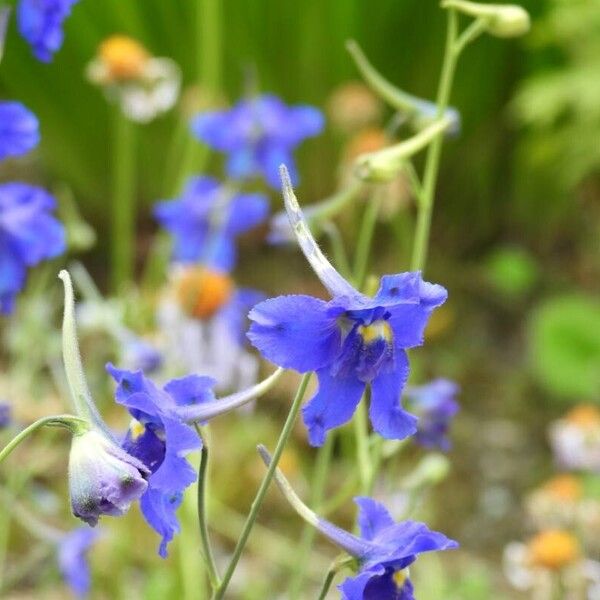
123 200
470 34
319 480
67 421
264 486
336 566
365 237
361 433
208 39
434 152
209 559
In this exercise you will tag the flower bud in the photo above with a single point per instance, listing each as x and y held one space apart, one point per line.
502 20
103 478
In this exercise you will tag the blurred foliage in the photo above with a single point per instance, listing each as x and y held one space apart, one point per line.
564 348
559 105
512 271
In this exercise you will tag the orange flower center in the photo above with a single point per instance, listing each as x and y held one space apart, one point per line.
553 549
202 292
585 416
564 487
123 57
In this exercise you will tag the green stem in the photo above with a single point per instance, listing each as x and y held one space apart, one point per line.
319 480
264 486
208 39
434 152
336 566
363 245
123 200
361 432
209 559
67 421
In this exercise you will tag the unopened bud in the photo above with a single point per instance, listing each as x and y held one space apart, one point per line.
502 20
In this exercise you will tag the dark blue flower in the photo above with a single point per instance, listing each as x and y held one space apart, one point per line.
350 341
435 405
160 439
28 235
388 548
72 559
383 551
207 218
235 312
258 135
19 130
40 23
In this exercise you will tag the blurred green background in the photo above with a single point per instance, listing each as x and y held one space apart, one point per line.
516 234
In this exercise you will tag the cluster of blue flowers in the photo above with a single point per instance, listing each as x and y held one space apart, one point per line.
351 341
29 233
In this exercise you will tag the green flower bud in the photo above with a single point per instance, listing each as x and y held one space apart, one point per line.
502 20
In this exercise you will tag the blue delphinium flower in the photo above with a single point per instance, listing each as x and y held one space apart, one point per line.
435 405
40 23
383 551
19 130
258 134
207 218
28 235
350 341
160 439
72 559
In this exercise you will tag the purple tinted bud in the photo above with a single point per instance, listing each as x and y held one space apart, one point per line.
103 478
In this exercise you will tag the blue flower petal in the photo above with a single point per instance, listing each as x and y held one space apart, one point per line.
192 389
72 558
296 332
388 417
332 405
19 130
246 211
40 23
353 588
158 508
373 517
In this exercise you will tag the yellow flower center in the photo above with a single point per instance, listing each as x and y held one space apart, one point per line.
378 330
564 487
123 57
136 429
202 292
400 578
553 549
585 416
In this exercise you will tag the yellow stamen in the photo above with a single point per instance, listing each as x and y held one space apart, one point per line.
202 292
553 549
123 57
400 578
378 330
585 416
136 429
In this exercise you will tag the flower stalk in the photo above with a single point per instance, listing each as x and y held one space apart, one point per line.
264 486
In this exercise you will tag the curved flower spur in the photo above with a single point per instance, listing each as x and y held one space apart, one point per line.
382 552
351 341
